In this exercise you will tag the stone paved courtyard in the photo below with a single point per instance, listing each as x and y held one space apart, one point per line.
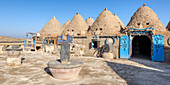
96 71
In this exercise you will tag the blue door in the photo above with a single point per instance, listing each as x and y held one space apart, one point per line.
158 47
34 44
124 47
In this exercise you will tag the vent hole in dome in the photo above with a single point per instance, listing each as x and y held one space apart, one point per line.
138 24
101 29
147 23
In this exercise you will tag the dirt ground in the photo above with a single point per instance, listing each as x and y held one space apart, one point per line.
96 71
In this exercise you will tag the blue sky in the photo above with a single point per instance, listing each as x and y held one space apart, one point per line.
20 16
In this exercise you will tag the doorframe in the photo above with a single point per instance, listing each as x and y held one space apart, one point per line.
131 40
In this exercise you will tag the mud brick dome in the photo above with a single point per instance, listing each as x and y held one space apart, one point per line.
77 26
144 17
89 21
168 26
106 24
52 27
66 23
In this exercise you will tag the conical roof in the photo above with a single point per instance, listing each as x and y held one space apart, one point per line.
66 23
52 27
168 26
105 24
77 26
119 21
144 17
89 21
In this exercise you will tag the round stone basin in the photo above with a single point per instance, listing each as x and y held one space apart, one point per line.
65 71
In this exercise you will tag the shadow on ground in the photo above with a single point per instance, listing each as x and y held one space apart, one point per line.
22 59
135 75
47 71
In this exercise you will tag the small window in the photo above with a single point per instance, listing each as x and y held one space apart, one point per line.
96 29
52 42
147 23
100 28
95 44
138 24
72 30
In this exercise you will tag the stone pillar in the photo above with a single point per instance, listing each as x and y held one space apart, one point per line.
65 53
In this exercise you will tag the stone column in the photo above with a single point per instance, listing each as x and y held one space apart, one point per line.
65 53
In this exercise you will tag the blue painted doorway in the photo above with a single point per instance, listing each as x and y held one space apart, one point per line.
158 47
124 47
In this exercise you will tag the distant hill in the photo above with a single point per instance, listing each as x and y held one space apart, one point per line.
5 38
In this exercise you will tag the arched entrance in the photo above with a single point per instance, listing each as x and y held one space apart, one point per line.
141 47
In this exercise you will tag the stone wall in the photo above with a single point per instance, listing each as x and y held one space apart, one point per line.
85 44
167 49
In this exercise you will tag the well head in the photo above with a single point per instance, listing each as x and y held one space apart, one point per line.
65 71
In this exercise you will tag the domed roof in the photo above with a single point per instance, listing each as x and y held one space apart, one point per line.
89 21
119 21
77 26
66 23
52 27
168 26
105 24
144 17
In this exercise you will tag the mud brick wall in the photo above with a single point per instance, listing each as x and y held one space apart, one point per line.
116 48
167 49
84 42
88 51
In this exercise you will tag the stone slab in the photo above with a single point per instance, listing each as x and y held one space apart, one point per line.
12 61
58 65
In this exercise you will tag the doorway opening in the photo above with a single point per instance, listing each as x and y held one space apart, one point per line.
38 47
141 47
96 44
